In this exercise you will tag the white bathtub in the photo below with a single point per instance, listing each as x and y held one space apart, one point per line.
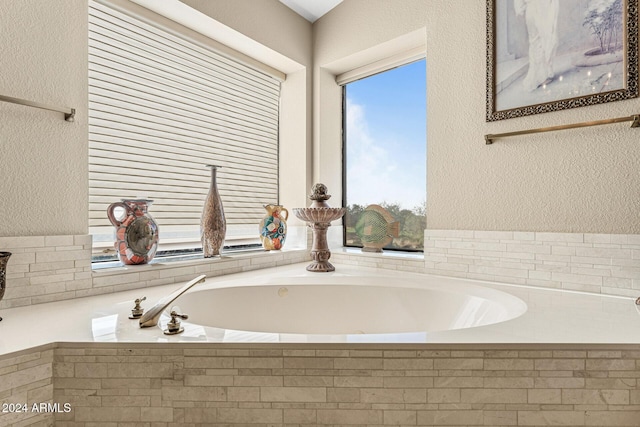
340 304
398 307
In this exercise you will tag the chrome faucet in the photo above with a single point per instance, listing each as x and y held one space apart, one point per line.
151 317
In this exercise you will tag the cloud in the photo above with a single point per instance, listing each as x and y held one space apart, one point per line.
375 173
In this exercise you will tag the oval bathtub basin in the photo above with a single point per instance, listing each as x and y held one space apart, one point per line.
296 307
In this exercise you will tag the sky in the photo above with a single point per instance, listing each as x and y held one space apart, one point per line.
386 137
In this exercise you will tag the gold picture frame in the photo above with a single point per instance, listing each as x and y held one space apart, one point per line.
551 55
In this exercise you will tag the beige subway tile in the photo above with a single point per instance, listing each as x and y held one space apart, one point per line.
299 416
61 369
454 418
408 382
243 394
79 400
458 382
458 364
550 382
544 396
405 364
508 364
443 395
346 417
63 240
359 364
18 242
156 415
208 380
192 362
595 397
91 370
117 401
195 394
551 418
104 414
298 353
248 416
468 395
569 354
611 383
258 362
613 418
343 395
308 363
396 417
355 381
508 382
305 381
394 395
559 364
500 418
610 365
124 383
293 394
195 415
26 376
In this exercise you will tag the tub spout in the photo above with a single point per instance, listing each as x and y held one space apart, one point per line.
151 317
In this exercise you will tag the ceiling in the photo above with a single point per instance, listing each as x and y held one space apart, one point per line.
311 10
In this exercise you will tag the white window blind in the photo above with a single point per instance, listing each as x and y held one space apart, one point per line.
160 109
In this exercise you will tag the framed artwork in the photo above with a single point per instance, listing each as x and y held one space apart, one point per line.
550 55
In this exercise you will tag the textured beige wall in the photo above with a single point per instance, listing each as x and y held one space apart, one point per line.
43 159
572 181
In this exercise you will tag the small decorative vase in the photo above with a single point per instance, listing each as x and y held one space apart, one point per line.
213 226
136 233
273 227
4 258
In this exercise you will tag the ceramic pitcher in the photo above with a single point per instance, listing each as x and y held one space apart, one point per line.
273 227
136 231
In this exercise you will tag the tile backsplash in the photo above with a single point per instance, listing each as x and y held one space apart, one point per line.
600 263
52 268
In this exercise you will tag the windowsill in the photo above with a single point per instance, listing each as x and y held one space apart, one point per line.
418 256
258 256
116 267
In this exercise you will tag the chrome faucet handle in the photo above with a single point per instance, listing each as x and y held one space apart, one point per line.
151 317
137 311
173 327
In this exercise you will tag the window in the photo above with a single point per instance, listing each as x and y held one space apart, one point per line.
385 158
161 107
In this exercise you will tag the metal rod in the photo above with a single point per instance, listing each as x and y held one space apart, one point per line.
635 119
69 113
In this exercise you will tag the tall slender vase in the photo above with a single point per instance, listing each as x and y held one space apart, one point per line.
4 258
213 226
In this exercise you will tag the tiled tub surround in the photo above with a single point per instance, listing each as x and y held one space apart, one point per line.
117 384
173 382
142 377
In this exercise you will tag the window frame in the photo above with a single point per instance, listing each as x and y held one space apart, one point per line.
193 244
343 80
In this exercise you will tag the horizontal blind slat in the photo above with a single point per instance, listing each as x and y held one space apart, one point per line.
159 110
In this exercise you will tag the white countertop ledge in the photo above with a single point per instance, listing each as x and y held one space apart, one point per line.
552 316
